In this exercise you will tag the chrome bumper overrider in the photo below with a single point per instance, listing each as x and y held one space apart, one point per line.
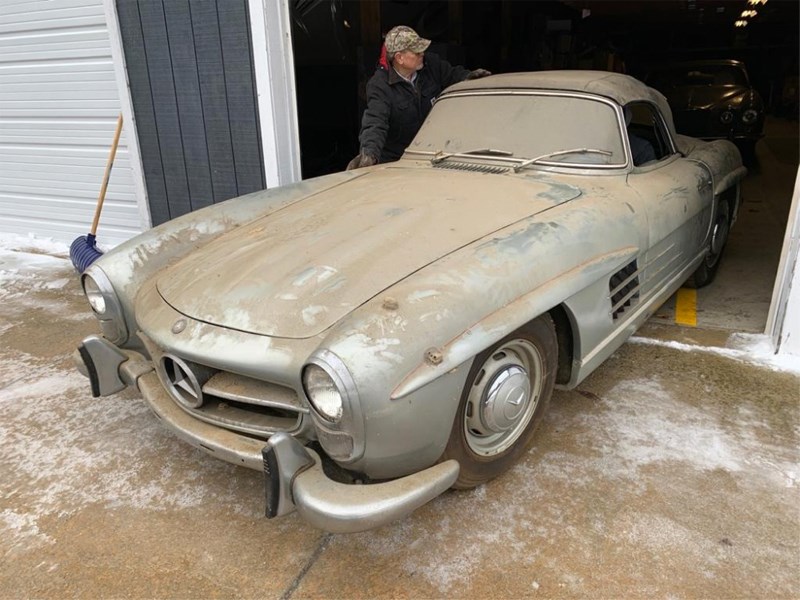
294 475
295 479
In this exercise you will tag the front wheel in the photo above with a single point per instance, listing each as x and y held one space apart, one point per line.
504 399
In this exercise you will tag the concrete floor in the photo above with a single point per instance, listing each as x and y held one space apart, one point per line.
667 473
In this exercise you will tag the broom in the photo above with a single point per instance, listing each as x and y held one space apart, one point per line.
83 250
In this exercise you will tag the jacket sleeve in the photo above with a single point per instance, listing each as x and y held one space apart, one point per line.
375 122
446 73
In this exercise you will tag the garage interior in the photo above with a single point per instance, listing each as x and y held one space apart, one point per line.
336 46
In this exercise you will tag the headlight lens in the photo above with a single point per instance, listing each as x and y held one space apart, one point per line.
94 295
726 117
750 116
106 305
322 392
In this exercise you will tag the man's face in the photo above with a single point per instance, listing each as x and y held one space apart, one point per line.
413 61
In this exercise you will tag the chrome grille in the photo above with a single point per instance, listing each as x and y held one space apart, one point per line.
229 400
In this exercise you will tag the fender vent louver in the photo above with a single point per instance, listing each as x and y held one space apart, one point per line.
462 166
624 289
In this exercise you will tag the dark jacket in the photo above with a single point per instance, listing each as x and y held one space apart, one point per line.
396 109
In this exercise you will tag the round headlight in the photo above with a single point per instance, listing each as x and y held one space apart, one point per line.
322 392
726 117
750 116
94 295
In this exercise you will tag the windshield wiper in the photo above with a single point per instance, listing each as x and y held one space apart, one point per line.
488 151
532 161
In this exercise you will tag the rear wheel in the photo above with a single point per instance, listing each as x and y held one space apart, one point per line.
506 395
705 273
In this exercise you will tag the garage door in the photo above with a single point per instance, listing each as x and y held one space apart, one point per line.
58 110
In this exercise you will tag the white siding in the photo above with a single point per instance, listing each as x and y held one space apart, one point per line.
58 109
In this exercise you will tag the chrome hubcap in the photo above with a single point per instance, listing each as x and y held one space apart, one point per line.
503 397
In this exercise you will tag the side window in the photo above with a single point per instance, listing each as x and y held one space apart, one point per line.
646 133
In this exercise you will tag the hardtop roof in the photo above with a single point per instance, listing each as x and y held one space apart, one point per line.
616 86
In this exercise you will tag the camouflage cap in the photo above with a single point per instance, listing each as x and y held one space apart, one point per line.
402 38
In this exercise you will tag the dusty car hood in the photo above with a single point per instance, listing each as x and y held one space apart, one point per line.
298 271
702 97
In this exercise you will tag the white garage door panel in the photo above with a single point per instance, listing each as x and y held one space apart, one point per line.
51 160
91 37
67 177
58 110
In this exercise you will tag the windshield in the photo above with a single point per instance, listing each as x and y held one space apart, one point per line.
525 126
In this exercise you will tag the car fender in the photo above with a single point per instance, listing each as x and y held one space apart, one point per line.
719 156
503 321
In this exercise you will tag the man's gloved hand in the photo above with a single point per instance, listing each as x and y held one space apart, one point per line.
361 160
478 73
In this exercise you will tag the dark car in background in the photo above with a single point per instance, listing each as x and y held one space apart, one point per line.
712 99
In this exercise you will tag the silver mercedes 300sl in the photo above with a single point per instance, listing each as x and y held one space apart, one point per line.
374 337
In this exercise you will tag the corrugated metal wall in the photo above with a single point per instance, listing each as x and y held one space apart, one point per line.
58 110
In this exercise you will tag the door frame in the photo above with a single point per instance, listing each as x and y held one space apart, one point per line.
273 61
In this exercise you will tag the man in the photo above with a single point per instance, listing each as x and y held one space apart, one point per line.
400 95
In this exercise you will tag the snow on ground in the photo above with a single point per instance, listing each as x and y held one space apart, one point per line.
27 262
26 243
751 348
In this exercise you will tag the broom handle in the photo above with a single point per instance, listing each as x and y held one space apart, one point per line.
107 175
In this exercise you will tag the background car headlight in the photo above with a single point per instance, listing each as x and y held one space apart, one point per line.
322 392
94 295
726 117
750 116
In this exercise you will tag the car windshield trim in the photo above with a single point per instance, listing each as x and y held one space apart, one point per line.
533 161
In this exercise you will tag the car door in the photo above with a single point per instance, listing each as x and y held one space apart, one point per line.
677 194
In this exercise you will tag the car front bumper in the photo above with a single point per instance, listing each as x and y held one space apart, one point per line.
294 477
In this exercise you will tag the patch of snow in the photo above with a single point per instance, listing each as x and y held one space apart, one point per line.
15 242
21 530
750 348
650 426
